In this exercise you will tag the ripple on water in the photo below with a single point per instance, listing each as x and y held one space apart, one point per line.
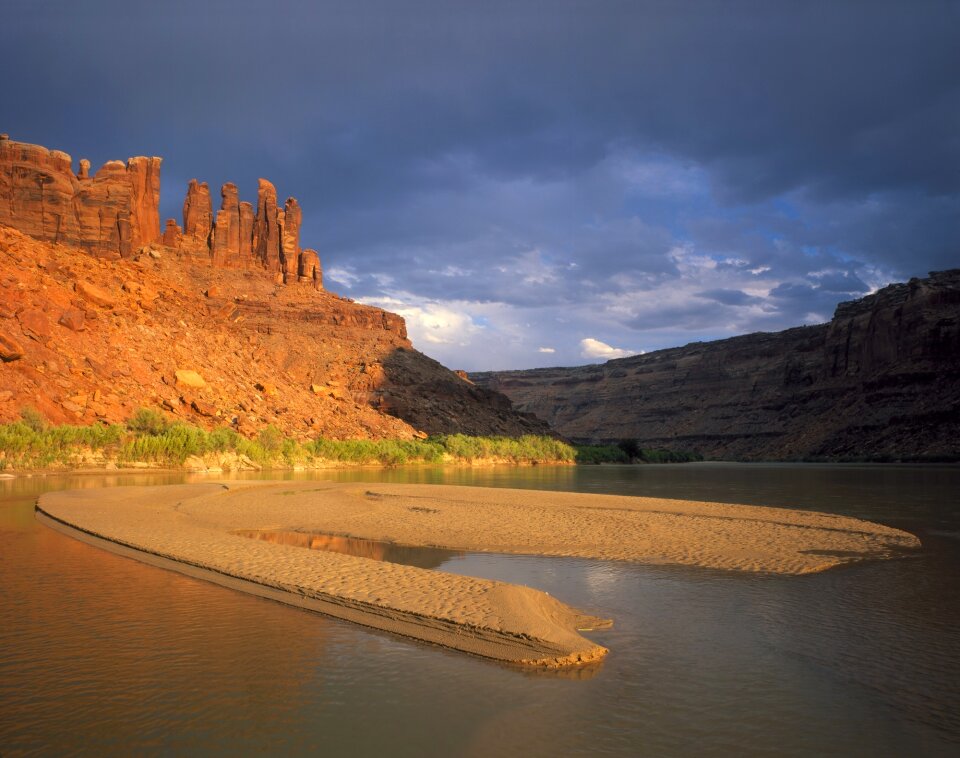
115 656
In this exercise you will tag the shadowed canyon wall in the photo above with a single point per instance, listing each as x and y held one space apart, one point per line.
881 379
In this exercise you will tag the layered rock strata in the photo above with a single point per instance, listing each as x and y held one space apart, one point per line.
84 339
110 214
87 340
882 379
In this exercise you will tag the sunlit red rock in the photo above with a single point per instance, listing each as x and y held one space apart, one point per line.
73 319
172 234
34 323
143 175
310 271
246 234
108 214
266 228
10 348
290 239
225 242
96 295
197 219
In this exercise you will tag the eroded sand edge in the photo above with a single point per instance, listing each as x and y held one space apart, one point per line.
189 528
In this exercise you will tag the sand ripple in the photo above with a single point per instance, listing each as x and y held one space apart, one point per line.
188 528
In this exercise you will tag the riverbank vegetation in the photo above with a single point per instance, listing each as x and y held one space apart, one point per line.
629 451
148 438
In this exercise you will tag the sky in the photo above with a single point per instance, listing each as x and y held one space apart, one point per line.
536 183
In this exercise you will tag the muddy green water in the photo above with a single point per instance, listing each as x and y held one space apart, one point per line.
103 655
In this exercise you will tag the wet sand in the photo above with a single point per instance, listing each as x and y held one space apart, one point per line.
189 528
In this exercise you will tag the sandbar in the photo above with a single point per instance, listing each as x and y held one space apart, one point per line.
191 528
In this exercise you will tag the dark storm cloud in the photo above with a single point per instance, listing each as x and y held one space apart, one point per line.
537 153
729 297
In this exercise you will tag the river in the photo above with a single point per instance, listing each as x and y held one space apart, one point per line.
100 654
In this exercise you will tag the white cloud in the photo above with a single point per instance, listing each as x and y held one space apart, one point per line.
546 350
434 323
342 275
594 349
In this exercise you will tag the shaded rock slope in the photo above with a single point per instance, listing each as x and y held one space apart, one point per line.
223 320
882 378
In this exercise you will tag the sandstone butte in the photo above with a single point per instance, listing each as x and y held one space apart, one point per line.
102 313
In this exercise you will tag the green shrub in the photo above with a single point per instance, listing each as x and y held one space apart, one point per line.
147 421
149 437
669 456
270 438
630 448
33 419
592 454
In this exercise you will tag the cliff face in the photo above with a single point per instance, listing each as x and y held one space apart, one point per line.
195 320
110 214
115 212
882 378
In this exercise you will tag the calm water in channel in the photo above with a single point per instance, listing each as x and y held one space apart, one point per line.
101 654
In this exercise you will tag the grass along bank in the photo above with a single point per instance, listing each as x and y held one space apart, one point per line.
148 439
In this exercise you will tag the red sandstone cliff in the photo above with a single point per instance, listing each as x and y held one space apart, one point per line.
110 214
193 320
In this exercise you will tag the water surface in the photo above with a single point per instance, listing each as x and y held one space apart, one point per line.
102 654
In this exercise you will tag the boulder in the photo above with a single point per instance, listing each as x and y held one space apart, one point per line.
72 407
143 294
95 294
268 389
35 324
73 319
189 378
204 408
10 349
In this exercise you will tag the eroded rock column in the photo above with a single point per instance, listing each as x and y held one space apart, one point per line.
290 239
266 227
197 218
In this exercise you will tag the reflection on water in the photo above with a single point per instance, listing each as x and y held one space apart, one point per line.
422 557
107 655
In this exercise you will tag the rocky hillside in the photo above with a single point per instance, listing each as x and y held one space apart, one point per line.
881 379
223 320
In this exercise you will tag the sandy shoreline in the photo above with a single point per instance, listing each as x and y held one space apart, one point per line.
189 528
